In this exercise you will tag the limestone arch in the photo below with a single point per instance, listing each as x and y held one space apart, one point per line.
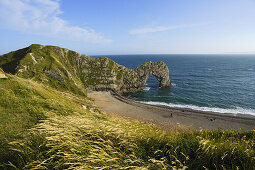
152 81
135 79
162 78
159 70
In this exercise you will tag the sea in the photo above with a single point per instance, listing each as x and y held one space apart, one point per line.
217 83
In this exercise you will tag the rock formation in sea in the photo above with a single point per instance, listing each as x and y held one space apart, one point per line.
66 69
105 74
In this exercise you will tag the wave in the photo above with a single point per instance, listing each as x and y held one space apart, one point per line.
235 111
146 88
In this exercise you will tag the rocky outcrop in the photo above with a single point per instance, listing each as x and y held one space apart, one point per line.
104 74
2 75
65 69
137 78
54 74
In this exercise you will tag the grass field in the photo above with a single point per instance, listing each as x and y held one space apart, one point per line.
42 128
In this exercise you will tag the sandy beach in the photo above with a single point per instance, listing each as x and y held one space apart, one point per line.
170 118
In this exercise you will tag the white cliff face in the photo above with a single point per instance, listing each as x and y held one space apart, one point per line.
104 74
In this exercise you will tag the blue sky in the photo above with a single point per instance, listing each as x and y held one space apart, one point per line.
130 26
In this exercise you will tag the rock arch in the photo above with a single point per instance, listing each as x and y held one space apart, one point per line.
103 74
160 71
135 79
152 81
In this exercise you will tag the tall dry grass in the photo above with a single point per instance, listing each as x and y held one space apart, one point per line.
70 135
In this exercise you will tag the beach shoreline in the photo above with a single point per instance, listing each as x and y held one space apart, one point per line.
169 118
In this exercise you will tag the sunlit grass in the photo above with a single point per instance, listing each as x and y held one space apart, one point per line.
42 128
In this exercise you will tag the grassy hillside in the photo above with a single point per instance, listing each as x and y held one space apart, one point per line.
43 128
63 69
49 65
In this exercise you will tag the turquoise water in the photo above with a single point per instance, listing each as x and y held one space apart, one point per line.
219 83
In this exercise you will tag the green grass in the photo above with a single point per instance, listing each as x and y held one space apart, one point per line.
23 103
42 128
46 59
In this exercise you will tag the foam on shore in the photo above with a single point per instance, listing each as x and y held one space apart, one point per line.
146 88
234 111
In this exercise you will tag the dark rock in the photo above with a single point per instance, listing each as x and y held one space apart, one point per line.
54 74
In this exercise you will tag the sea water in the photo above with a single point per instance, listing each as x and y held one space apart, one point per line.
218 83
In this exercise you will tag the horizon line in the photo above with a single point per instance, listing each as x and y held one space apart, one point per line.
174 54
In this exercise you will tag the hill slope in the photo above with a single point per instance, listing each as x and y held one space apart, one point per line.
65 69
43 128
49 65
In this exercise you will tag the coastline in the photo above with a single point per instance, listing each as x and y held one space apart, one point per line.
169 118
